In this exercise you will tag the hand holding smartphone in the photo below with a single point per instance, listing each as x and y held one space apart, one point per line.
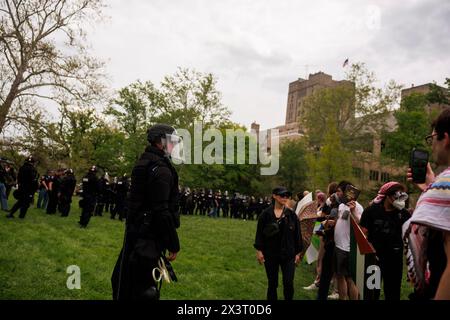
418 164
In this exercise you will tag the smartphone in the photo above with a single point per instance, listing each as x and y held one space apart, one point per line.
418 164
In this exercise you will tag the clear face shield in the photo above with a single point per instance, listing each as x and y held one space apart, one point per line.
173 147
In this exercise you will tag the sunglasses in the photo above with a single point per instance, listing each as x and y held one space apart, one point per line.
284 195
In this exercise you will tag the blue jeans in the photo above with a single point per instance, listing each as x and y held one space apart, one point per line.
213 213
3 199
42 199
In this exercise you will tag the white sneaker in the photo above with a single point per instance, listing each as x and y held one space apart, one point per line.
311 287
333 296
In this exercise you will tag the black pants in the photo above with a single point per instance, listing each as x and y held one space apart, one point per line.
64 205
23 203
272 266
120 209
225 210
8 190
391 265
327 272
52 202
99 208
86 211
132 275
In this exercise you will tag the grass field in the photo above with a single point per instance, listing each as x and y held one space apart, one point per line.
217 259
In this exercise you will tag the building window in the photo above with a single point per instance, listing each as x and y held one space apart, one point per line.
357 172
385 177
374 175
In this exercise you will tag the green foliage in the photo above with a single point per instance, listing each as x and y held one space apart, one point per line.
413 125
438 94
243 178
354 106
332 163
293 165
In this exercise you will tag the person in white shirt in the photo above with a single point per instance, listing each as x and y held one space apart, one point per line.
346 286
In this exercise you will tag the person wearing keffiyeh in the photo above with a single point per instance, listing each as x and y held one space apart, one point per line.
382 222
427 233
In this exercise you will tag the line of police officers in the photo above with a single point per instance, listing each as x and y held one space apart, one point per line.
212 204
56 189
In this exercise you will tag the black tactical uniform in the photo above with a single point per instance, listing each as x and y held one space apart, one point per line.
190 205
234 204
54 187
101 196
151 223
27 179
89 196
67 189
225 204
120 207
202 203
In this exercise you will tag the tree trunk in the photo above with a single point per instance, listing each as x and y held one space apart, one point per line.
12 95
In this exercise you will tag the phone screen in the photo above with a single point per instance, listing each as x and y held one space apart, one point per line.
419 161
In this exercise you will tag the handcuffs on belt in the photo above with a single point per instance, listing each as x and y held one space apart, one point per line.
162 270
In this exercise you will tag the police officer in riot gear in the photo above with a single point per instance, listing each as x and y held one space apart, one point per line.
189 202
89 196
153 218
27 179
101 195
225 204
66 190
121 197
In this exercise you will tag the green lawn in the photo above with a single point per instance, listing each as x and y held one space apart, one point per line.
217 260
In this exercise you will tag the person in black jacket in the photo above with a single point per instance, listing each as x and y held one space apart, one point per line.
54 189
153 217
66 191
120 207
278 243
27 179
382 221
89 196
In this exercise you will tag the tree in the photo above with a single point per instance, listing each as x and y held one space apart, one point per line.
413 124
191 96
332 163
31 64
354 106
438 94
293 165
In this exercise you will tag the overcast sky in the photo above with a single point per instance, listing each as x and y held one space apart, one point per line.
255 48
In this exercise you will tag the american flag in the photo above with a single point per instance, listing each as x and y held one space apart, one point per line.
345 63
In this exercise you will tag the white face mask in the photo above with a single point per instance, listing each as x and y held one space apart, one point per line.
399 204
400 200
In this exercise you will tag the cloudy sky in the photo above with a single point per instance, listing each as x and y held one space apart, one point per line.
255 48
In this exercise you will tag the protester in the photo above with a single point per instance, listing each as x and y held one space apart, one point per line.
382 222
320 201
346 286
278 242
431 218
330 210
43 193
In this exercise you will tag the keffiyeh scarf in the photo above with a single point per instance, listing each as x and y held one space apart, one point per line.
432 212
